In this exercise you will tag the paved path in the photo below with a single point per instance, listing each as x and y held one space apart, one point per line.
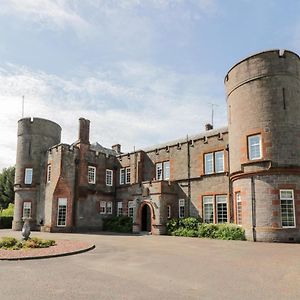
156 267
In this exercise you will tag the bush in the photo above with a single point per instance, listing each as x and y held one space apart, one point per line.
8 212
118 224
6 222
192 227
230 232
10 243
190 224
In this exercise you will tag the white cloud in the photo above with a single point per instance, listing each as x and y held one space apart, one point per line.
133 104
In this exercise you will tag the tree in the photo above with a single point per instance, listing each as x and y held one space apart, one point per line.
7 194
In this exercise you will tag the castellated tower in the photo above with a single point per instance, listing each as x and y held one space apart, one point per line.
263 98
35 137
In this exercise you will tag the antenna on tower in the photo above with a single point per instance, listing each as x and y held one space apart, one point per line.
23 104
212 112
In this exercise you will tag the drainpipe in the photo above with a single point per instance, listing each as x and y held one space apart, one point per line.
253 202
189 174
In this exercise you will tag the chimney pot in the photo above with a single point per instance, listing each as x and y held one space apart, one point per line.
84 131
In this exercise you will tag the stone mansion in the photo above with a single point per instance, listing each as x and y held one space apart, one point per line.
247 173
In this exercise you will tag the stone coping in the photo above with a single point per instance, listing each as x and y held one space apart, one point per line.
62 248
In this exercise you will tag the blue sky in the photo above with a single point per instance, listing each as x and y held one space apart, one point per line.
143 71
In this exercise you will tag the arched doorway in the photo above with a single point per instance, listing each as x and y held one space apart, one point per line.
146 218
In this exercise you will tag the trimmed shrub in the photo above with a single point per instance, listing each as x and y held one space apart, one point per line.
230 232
207 230
189 224
185 232
118 224
6 222
10 243
8 212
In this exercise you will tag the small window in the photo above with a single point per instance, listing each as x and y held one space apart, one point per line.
219 161
208 163
102 207
221 201
130 209
122 176
287 208
254 147
62 212
168 211
49 173
26 209
109 177
159 171
120 209
28 176
91 175
208 209
181 208
127 175
163 170
238 208
109 207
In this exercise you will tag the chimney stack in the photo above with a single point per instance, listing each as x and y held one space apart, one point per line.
208 126
117 148
84 131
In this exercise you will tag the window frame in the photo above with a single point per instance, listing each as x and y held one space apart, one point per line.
127 175
122 176
109 207
249 137
64 203
239 212
162 170
49 171
212 202
169 212
217 207
28 175
102 204
92 171
25 203
294 209
109 177
210 165
130 209
181 204
119 207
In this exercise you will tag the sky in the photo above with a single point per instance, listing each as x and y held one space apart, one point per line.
142 71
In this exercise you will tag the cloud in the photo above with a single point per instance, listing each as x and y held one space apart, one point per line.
130 103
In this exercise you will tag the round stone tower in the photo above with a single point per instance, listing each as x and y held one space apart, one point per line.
263 99
35 136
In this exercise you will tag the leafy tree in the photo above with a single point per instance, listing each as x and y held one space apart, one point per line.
7 194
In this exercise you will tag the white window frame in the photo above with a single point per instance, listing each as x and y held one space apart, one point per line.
208 200
221 199
102 207
122 175
251 145
181 208
239 208
166 170
49 173
92 175
293 202
28 176
169 211
159 171
109 207
127 175
109 177
216 160
120 208
62 203
209 163
130 209
26 209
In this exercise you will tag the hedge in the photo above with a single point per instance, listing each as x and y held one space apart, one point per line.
118 224
6 222
192 227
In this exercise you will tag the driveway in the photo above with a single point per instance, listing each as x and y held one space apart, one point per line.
156 267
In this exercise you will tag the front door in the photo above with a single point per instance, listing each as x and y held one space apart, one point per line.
146 218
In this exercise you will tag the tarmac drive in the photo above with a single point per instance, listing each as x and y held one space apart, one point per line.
156 267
